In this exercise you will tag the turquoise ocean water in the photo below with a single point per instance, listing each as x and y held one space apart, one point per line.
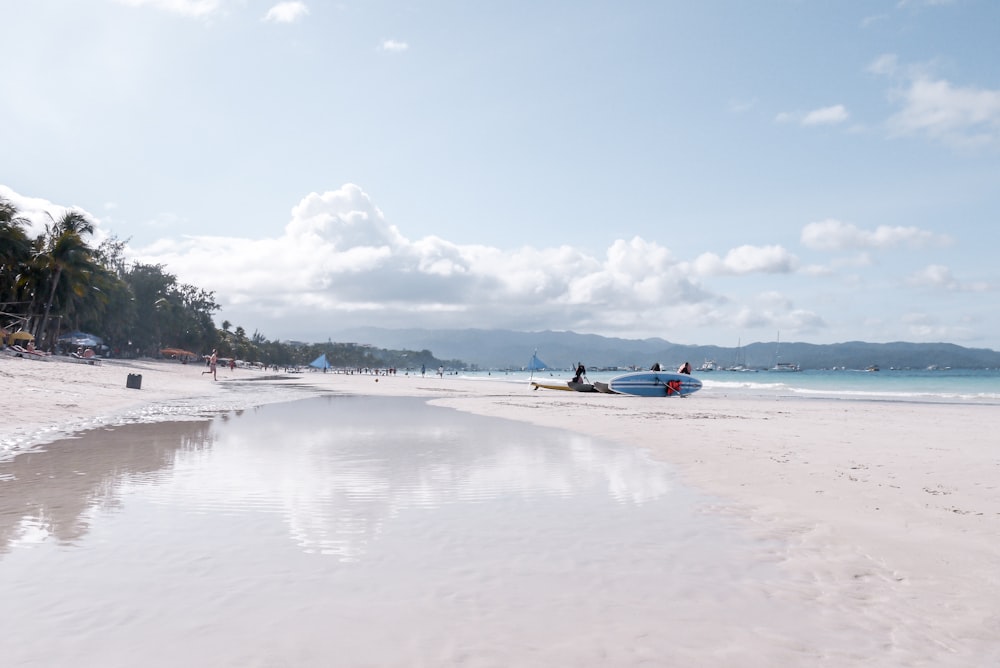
980 386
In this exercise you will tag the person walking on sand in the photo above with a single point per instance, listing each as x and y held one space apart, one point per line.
212 361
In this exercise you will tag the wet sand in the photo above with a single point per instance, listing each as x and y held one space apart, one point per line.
879 516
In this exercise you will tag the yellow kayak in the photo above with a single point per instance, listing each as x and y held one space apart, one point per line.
552 386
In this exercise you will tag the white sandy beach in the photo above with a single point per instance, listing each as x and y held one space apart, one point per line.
886 513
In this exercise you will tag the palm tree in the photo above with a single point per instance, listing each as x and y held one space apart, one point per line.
15 249
67 253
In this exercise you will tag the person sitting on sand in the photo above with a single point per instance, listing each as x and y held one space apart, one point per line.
685 368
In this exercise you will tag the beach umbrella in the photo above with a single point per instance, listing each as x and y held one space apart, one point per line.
320 362
20 336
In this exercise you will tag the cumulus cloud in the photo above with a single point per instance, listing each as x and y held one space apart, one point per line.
962 116
393 46
338 259
286 12
746 260
835 235
40 212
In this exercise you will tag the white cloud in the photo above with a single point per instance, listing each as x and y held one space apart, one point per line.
831 115
40 212
339 260
286 12
746 260
826 116
886 64
394 46
960 116
834 235
195 8
772 308
941 277
934 275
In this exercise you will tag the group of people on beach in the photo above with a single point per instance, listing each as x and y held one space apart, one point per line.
684 368
581 371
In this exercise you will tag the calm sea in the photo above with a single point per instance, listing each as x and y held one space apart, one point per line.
980 386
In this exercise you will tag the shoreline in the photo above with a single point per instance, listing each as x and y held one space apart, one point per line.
886 509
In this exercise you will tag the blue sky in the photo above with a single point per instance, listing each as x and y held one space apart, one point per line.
706 172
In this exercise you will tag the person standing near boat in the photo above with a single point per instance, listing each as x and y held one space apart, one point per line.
685 368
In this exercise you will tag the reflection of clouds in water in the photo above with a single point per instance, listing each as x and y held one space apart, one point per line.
631 476
30 531
336 469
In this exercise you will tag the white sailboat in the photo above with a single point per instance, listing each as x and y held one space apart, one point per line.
778 364
740 363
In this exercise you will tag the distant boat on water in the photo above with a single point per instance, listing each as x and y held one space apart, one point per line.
739 363
785 366
778 364
536 364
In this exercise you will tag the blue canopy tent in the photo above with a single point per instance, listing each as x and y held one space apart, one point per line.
80 339
320 363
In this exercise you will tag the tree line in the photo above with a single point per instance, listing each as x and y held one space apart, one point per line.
58 281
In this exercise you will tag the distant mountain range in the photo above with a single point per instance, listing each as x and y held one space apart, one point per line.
506 349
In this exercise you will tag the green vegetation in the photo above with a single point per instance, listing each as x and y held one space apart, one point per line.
58 282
